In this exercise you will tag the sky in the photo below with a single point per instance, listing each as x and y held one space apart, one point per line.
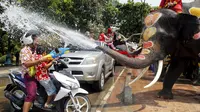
152 2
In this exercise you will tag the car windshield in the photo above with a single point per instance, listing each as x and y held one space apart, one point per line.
98 43
79 48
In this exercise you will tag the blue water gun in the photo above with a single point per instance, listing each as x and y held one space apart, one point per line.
57 53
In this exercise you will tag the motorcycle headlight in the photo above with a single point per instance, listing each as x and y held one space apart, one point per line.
71 85
90 60
74 85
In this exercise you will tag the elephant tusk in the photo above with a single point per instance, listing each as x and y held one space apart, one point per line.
160 66
140 75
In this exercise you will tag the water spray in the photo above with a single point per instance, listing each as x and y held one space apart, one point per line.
20 18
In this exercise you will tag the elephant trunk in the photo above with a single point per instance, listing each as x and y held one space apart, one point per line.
142 60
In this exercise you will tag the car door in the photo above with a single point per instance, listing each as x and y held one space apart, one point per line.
108 61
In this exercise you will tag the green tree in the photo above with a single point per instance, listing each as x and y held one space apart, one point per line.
110 14
131 17
85 15
76 14
7 41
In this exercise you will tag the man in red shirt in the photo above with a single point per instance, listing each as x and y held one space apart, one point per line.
102 37
108 39
175 5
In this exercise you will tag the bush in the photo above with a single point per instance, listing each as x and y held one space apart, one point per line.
2 59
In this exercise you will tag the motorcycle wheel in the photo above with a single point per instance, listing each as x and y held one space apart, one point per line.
21 95
81 100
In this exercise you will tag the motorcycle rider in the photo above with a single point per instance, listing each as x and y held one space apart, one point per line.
27 54
42 76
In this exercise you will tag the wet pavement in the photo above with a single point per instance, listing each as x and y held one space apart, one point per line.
186 97
94 96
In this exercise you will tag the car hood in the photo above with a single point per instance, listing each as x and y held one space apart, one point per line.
82 54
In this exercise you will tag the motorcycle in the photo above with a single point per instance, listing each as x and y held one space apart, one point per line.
69 98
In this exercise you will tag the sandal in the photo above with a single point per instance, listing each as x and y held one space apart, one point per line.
48 106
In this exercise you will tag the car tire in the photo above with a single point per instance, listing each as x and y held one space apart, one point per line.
99 85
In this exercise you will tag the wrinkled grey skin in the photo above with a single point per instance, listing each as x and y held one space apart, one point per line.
174 36
187 6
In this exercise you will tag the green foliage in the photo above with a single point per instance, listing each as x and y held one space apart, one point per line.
14 43
84 15
110 15
96 28
2 59
131 17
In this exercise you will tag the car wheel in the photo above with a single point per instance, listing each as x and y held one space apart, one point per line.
99 85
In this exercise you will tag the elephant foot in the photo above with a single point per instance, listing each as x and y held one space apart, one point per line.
165 94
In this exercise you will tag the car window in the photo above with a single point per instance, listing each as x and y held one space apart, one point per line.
79 48
99 43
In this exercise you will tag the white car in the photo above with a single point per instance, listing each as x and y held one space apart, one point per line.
90 65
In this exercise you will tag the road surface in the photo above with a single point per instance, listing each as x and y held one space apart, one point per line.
94 96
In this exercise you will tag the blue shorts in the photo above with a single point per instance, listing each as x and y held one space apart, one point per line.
49 86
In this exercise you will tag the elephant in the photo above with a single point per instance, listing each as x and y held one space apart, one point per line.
165 33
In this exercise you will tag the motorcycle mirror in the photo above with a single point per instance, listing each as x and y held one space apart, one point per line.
60 65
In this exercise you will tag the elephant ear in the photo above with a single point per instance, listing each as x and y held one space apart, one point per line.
188 26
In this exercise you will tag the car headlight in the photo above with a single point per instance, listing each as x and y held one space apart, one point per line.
90 60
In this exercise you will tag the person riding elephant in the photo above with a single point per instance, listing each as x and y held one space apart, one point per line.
165 33
175 5
118 42
108 38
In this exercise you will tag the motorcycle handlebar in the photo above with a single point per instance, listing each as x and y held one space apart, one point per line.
59 64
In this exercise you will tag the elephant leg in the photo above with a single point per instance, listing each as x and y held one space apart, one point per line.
175 69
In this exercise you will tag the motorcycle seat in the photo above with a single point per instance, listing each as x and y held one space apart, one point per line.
19 77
